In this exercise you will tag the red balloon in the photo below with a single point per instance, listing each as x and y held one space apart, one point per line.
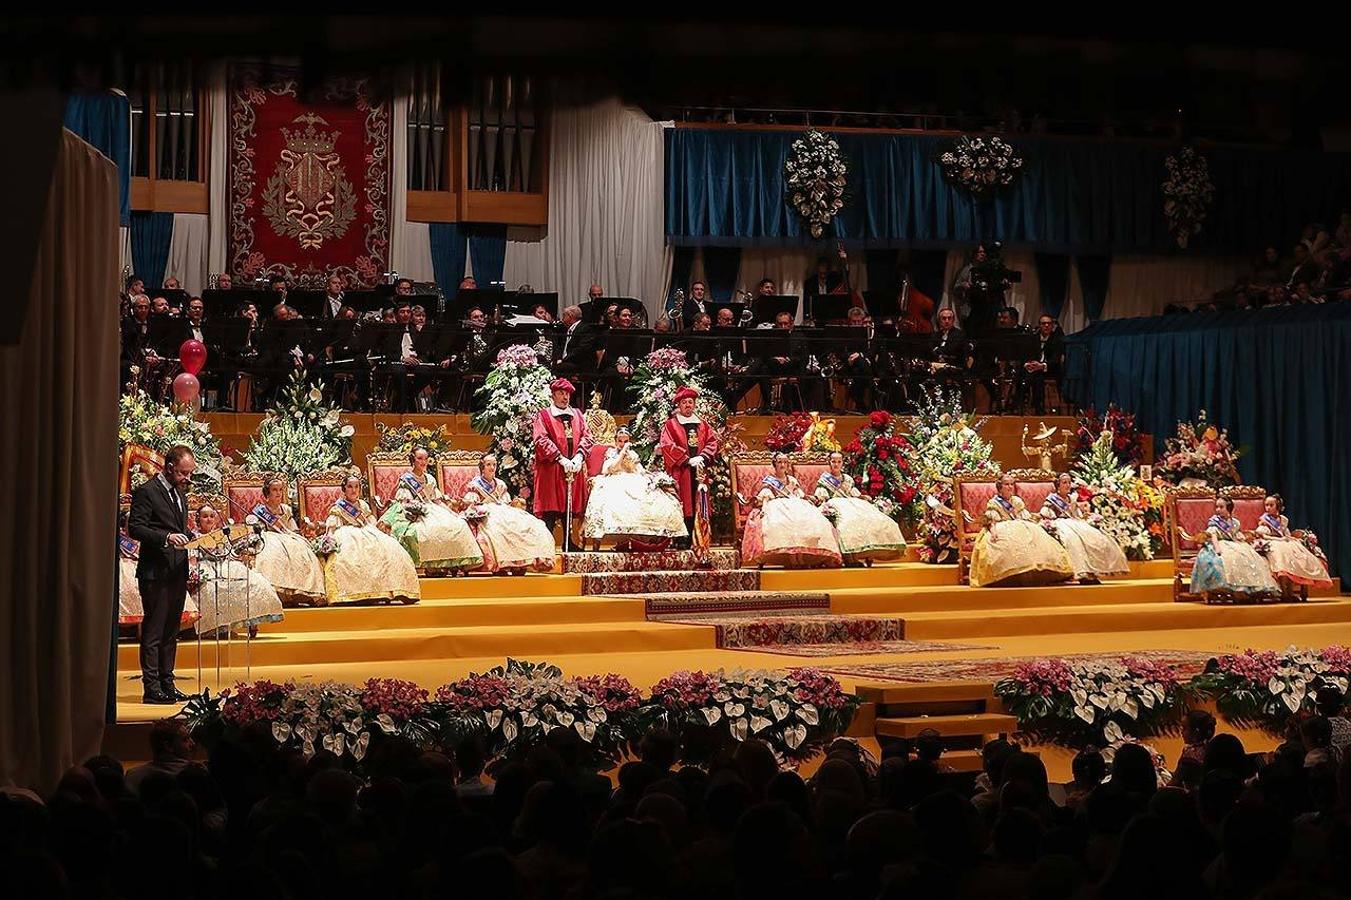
192 355
186 387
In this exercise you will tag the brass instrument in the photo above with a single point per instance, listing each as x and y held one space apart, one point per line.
675 306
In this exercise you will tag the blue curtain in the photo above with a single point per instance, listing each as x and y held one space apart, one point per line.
725 187
151 233
1278 379
720 269
1053 280
448 253
487 252
104 122
1094 275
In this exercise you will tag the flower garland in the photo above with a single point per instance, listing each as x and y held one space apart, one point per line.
945 444
513 393
815 175
879 460
786 432
1117 497
1187 194
1127 444
654 384
1269 687
1095 702
1200 453
301 434
980 165
723 512
159 426
403 438
796 713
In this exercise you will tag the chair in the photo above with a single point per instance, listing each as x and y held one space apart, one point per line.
244 491
1249 503
749 469
197 501
454 470
601 426
969 499
1034 486
315 495
1186 510
383 471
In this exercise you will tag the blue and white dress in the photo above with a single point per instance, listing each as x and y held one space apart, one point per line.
1227 563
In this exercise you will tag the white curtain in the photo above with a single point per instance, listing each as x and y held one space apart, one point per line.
606 203
1143 285
218 218
414 258
189 251
58 387
409 242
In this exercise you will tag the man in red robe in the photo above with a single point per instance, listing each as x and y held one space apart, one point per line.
687 446
562 444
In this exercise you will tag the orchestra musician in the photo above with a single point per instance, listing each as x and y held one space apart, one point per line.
225 282
333 298
697 302
582 344
1048 363
825 281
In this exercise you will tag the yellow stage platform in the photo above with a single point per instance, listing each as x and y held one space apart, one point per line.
471 624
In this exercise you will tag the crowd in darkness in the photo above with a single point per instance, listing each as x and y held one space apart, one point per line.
253 821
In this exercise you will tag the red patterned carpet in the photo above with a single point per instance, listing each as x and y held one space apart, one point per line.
992 669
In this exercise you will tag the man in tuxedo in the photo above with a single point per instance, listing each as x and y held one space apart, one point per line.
695 304
779 357
333 298
159 520
412 345
1049 363
949 352
825 281
137 348
582 344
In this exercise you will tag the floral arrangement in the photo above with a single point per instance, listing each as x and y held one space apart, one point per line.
403 438
820 435
981 165
514 391
1270 687
654 384
796 713
300 434
1187 193
945 443
879 460
1094 702
518 704
1114 494
159 426
1127 444
786 432
1310 542
324 545
1162 777
722 503
339 718
1200 453
815 175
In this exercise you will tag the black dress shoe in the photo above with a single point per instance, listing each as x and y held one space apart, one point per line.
173 693
157 697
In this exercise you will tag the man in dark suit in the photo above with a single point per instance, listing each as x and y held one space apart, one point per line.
824 281
582 343
159 520
1049 363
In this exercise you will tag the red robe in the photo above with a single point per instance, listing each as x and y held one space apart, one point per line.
551 442
675 453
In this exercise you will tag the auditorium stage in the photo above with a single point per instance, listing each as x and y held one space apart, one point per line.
938 673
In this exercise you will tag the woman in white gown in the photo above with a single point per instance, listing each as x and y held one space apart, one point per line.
130 609
519 541
369 564
1226 564
1014 549
786 529
231 596
286 560
626 501
866 533
1092 553
433 534
1287 557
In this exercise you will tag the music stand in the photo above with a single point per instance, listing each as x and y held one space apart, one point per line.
767 309
526 303
593 311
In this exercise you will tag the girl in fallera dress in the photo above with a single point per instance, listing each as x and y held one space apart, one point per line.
1092 553
519 541
231 596
1013 549
625 501
369 564
1287 557
865 532
286 560
786 529
1227 564
422 520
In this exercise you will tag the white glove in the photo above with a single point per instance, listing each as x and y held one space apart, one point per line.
696 461
577 463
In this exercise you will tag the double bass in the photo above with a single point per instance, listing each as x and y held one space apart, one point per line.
917 310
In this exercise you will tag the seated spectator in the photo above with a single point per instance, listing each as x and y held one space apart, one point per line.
1197 730
1315 734
1331 704
1268 268
1089 769
170 752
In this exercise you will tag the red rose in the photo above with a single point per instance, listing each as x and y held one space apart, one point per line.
883 455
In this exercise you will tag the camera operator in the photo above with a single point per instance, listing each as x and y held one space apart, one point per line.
980 288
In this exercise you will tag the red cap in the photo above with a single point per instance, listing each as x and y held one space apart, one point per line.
562 384
686 393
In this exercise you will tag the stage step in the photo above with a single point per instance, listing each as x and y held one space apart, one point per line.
962 725
670 582
891 694
497 587
733 602
949 625
385 644
955 599
543 611
595 563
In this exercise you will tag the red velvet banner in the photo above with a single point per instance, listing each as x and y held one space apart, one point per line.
309 180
